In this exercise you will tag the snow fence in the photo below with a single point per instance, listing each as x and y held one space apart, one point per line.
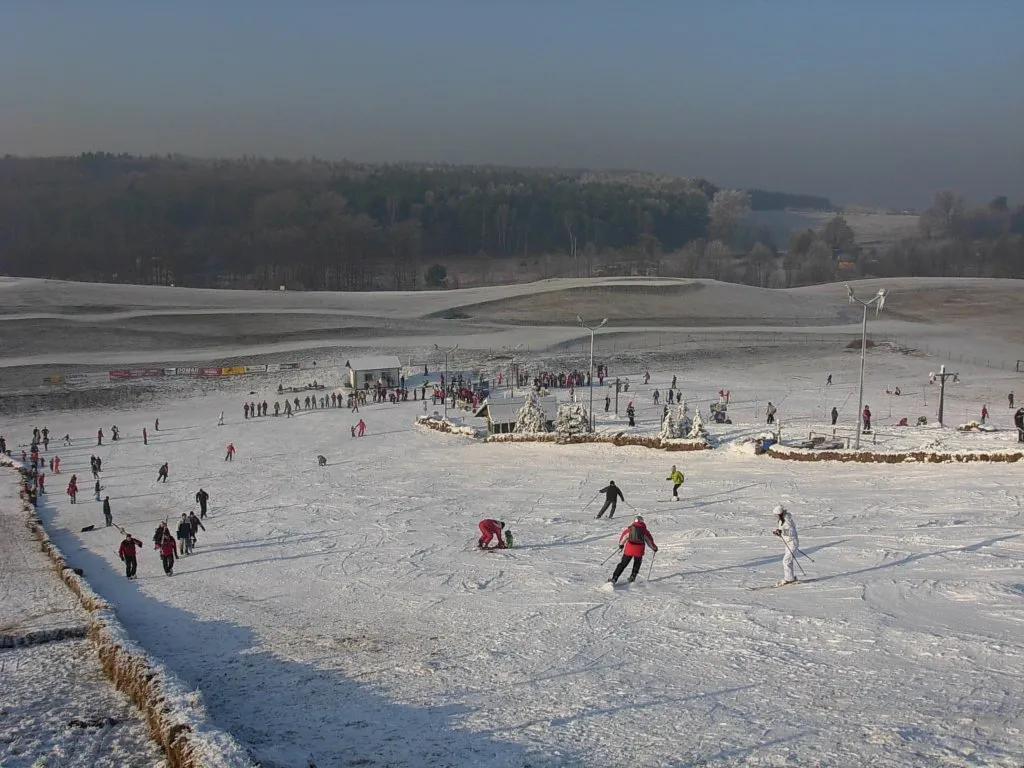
893 457
176 716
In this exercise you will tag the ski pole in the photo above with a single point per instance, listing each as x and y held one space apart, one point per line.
629 505
795 560
805 554
651 568
613 554
591 501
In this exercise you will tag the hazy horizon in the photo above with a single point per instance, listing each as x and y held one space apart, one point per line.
876 103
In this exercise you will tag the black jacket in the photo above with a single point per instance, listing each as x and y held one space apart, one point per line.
611 492
184 530
202 497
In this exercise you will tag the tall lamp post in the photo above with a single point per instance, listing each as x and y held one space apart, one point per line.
880 299
591 377
447 383
513 371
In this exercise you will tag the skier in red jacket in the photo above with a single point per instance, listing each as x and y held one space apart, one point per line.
127 554
491 529
633 542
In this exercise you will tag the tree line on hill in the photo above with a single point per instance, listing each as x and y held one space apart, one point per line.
316 225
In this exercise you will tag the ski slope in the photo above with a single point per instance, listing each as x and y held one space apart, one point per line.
342 614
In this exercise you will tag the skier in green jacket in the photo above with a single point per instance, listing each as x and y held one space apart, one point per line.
677 480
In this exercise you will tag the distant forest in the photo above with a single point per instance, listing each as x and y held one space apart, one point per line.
313 225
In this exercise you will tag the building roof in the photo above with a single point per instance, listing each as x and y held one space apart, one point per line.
379 363
504 410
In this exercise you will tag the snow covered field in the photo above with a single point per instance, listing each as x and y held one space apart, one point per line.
342 614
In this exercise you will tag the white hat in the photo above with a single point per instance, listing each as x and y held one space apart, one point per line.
779 510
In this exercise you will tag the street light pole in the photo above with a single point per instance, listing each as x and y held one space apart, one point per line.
447 382
591 377
880 298
942 389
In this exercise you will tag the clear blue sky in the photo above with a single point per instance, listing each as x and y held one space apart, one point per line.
867 101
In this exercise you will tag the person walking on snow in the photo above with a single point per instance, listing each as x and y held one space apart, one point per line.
201 498
194 524
770 412
866 417
145 436
490 529
127 554
220 419
361 427
162 474
1009 397
786 530
168 552
677 479
107 516
99 437
633 542
184 534
612 494
984 413
97 489
835 415
230 455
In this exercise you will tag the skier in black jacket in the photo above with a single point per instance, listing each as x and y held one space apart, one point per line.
184 535
612 494
195 525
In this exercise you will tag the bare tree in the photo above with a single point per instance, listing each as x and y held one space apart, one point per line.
837 234
727 209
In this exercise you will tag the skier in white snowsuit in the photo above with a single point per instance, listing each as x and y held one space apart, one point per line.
786 530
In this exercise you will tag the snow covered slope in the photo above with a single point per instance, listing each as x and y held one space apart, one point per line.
342 614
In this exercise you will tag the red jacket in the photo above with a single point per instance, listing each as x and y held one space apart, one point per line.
128 548
636 550
168 547
490 526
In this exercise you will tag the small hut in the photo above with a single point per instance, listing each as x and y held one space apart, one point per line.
367 371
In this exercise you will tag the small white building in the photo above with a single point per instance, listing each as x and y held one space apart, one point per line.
363 371
501 413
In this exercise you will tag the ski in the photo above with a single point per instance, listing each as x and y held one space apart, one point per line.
778 584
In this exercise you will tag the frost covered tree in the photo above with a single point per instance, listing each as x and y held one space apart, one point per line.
697 431
677 424
531 416
727 209
573 419
668 425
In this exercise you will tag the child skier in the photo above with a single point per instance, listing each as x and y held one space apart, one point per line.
786 530
677 480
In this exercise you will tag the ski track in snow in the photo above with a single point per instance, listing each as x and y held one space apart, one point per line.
343 613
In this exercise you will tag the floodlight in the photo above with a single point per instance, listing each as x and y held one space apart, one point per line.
603 323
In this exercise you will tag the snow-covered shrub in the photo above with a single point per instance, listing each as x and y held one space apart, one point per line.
572 420
531 416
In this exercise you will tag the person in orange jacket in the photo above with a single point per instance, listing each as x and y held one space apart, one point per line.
633 542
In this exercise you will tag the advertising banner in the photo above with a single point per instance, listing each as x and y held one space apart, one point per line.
55 378
255 369
77 378
170 371
119 374
289 366
154 372
211 371
232 370
189 371
273 367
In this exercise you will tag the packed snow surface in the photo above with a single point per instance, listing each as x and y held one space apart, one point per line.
343 614
56 706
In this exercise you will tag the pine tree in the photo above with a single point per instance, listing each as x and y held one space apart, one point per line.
531 416
573 419
697 431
